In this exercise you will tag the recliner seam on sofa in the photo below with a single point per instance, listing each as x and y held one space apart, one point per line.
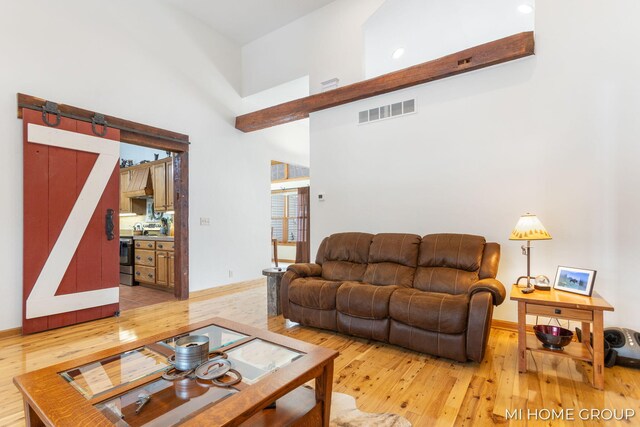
458 255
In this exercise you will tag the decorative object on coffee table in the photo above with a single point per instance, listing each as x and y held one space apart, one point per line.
528 228
576 280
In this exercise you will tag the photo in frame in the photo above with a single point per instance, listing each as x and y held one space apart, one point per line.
576 280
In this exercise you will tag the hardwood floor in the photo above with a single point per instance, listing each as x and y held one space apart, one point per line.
427 390
141 296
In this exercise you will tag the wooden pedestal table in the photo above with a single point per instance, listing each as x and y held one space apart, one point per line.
568 306
274 277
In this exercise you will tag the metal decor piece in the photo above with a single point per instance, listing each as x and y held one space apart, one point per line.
214 368
191 351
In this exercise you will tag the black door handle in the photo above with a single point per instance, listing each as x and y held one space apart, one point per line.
109 225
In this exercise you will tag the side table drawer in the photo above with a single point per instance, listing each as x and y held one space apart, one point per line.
561 312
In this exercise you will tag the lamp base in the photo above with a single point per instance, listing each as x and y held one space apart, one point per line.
528 283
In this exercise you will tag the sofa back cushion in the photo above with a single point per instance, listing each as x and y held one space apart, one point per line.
449 263
392 259
345 256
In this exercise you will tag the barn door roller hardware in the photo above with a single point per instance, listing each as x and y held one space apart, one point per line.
50 108
141 132
98 119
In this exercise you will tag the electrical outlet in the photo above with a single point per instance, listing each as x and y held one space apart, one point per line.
205 221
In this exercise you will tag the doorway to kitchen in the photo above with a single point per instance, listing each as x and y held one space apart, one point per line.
147 218
290 214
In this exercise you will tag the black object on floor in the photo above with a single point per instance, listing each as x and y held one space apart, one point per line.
621 347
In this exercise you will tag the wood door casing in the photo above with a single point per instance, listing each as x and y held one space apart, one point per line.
53 180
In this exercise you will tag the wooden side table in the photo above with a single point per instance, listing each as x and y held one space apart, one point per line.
568 306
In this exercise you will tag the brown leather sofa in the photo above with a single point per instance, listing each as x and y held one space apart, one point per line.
433 294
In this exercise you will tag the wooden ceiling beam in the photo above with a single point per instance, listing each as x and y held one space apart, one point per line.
484 55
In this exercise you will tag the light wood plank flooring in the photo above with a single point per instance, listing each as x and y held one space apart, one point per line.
427 390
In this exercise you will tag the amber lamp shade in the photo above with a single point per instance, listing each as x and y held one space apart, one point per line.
528 228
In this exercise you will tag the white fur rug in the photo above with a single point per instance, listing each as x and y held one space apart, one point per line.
345 413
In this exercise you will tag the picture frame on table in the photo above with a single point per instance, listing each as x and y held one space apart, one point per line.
575 280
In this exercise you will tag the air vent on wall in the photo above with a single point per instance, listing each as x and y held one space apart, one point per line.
387 111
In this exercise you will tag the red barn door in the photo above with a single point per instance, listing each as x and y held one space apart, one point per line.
71 260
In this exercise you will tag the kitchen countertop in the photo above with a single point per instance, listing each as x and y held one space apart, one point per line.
161 238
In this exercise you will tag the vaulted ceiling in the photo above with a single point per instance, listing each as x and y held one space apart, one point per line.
246 20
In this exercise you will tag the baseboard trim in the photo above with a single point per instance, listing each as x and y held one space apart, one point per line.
506 325
10 332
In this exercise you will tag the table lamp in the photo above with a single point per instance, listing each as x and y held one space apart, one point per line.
528 228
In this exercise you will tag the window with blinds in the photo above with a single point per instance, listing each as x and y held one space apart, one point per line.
284 216
285 171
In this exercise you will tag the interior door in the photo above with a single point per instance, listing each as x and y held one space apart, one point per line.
71 243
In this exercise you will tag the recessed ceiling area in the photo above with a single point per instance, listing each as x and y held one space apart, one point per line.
246 20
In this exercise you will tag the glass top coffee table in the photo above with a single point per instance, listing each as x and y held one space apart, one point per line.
105 388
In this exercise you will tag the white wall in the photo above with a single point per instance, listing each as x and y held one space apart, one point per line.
147 63
324 44
434 28
555 134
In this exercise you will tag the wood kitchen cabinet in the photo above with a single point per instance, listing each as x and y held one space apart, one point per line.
170 191
171 269
127 204
140 181
155 263
163 190
165 263
162 268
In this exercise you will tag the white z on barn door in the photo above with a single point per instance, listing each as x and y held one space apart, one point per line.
71 261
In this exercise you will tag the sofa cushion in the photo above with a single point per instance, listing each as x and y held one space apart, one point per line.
395 247
431 311
345 256
312 292
392 259
459 251
443 279
364 300
343 270
351 247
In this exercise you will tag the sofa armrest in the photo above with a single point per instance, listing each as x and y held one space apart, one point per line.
479 325
288 277
490 285
306 270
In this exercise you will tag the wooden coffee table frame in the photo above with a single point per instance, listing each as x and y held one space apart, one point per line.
568 306
50 400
